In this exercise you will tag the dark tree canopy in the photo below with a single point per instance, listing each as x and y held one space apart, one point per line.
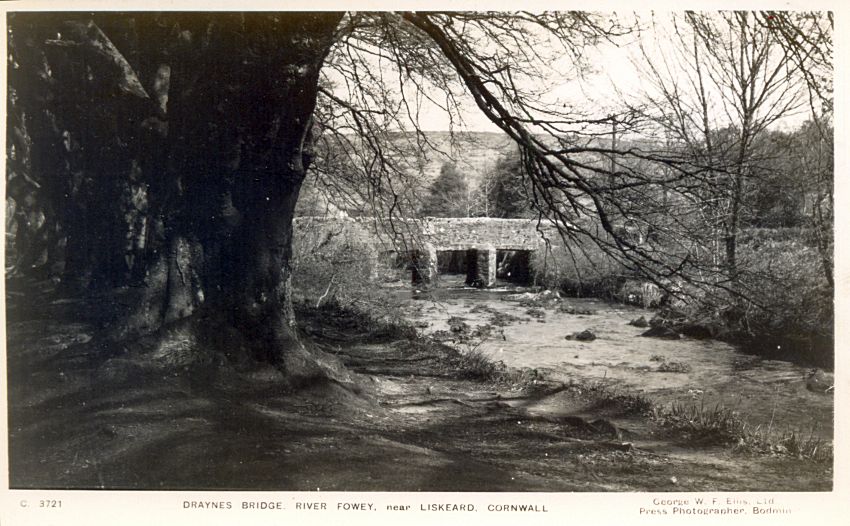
507 192
448 195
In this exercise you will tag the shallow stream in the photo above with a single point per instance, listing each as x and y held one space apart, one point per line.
768 393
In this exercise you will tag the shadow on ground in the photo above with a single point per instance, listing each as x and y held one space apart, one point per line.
84 413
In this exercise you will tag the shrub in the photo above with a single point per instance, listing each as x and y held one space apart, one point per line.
582 271
333 262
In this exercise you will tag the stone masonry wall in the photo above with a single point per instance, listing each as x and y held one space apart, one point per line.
441 233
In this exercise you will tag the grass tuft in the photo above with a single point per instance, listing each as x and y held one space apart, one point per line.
700 425
605 396
475 365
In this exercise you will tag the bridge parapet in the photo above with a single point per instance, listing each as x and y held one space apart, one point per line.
455 233
501 234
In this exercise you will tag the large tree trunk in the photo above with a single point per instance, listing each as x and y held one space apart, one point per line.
239 113
187 138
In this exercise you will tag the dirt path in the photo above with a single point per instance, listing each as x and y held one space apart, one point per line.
86 415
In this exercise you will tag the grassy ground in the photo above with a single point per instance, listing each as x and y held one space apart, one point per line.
423 416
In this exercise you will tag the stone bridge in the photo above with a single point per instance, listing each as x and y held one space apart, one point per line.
480 239
422 240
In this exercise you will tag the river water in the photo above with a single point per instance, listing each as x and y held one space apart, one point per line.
769 393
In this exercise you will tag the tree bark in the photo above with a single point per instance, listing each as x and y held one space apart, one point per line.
237 151
183 140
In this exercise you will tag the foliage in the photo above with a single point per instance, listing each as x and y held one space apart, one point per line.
448 195
579 269
506 189
739 82
332 264
702 425
373 321
797 301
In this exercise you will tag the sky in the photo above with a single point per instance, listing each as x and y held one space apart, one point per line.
613 76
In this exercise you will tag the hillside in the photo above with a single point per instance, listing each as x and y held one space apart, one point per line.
474 153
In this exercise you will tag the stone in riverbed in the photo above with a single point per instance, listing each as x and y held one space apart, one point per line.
698 331
639 322
665 333
583 336
819 382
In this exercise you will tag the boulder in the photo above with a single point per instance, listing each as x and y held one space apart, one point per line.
583 336
658 321
665 333
698 331
640 322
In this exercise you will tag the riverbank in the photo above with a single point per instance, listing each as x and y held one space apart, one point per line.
84 416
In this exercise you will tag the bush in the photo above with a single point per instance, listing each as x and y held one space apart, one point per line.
333 266
583 271
786 306
790 314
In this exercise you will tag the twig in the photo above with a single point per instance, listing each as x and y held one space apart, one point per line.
323 296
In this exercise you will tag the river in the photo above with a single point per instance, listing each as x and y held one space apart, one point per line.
767 393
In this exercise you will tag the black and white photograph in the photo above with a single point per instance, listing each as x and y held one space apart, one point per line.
401 252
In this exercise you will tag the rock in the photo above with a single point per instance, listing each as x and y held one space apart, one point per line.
745 363
698 331
665 333
536 313
570 309
583 336
457 324
819 382
658 321
639 322
673 367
